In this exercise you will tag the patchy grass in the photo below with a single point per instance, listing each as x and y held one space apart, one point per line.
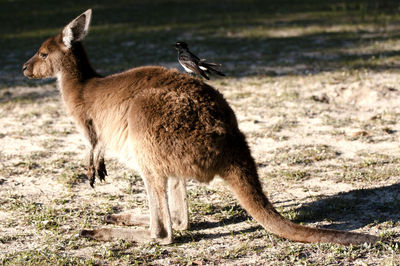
369 167
44 257
304 155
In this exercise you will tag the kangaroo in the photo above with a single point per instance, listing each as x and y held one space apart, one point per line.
170 127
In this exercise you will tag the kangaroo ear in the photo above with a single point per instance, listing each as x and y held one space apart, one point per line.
77 29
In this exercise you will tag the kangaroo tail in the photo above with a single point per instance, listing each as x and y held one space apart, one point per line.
243 180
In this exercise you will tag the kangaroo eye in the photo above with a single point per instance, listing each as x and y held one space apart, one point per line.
43 55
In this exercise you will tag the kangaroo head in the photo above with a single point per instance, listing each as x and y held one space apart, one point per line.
48 61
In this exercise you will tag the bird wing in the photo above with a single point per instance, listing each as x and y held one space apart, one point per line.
195 68
190 61
187 56
193 55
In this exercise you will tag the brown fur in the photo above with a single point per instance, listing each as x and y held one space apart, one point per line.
169 126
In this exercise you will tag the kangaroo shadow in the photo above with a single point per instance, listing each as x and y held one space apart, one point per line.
345 211
238 215
197 236
354 209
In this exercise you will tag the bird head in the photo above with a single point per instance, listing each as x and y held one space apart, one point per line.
181 46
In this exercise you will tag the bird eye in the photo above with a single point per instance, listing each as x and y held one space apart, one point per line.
43 55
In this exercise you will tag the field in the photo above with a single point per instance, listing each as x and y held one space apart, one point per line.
315 86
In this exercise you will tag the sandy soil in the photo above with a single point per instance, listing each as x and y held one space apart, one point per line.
318 139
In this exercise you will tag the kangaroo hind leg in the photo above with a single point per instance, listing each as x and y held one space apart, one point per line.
160 219
178 204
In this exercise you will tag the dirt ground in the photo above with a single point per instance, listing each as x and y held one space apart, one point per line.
327 147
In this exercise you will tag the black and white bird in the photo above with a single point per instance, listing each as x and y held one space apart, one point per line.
192 64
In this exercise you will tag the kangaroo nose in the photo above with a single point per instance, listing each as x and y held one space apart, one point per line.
24 67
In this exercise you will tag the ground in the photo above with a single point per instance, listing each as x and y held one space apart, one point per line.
316 92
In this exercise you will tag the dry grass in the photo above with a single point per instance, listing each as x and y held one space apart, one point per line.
46 198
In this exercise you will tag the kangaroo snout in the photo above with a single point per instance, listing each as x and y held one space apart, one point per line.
27 70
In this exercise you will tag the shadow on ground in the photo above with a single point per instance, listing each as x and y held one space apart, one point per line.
354 209
248 37
27 95
345 211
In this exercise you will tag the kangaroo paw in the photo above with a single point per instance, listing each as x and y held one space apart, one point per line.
101 170
91 174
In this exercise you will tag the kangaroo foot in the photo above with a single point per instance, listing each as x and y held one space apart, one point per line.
111 234
127 218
